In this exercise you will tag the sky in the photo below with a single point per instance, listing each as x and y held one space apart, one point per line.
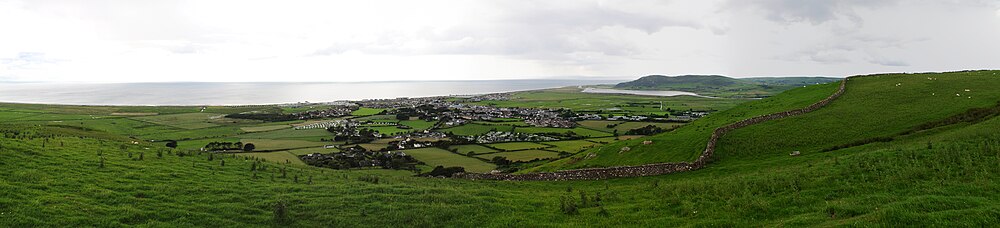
391 40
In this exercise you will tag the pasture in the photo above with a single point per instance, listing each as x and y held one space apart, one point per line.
572 146
280 157
436 157
522 155
512 146
366 111
185 121
471 148
474 129
281 144
551 130
265 128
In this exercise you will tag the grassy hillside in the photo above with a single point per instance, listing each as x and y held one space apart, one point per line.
721 86
945 175
871 109
688 141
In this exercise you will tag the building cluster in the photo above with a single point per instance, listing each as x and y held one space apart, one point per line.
404 102
326 124
332 112
502 136
491 97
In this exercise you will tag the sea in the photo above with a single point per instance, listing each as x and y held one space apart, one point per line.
226 93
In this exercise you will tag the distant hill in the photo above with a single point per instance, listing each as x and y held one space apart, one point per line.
722 86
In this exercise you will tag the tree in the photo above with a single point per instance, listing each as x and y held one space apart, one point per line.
402 116
172 144
249 147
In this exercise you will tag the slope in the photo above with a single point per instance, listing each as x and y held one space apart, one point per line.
687 142
722 86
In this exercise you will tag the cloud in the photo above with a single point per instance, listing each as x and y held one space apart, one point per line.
814 12
26 60
888 62
530 30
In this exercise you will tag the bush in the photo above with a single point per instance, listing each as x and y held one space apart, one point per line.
441 171
249 147
281 212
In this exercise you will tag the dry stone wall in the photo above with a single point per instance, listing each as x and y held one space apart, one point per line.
658 168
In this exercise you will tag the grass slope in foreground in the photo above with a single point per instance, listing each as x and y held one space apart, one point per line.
951 181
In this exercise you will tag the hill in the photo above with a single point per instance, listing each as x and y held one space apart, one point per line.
932 163
721 86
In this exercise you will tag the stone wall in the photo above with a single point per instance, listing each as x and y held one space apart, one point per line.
658 168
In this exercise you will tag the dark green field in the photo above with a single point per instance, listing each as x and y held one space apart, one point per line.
896 150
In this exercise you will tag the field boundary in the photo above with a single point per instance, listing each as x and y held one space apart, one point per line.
657 168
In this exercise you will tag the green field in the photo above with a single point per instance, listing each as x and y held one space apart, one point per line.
281 144
474 129
418 125
185 121
551 130
572 146
473 148
305 151
305 134
280 157
264 128
600 125
522 155
511 146
436 157
366 111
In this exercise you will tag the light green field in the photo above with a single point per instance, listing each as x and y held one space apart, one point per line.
600 125
185 121
201 133
474 129
626 126
304 108
512 146
305 134
280 157
418 125
604 140
436 157
551 130
280 144
473 148
265 128
572 146
121 126
366 111
522 155
389 118
313 150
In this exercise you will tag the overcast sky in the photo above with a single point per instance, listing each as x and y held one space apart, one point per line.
375 40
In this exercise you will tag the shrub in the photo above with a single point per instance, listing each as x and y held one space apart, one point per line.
281 212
